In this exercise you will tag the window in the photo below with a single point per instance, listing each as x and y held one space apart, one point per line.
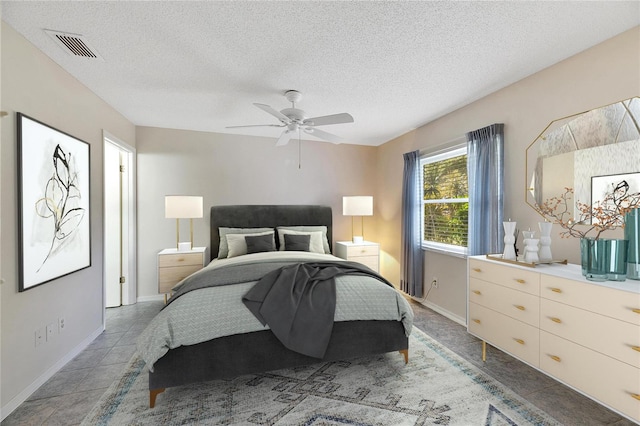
445 201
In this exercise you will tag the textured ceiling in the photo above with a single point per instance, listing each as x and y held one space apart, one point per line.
393 65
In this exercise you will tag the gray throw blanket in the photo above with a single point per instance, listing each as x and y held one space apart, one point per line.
298 303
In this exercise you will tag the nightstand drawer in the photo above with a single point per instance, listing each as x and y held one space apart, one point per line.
168 277
179 259
357 251
369 261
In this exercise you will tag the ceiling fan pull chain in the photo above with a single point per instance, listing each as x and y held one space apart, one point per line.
299 150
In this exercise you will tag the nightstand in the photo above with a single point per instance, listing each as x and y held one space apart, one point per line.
366 252
174 266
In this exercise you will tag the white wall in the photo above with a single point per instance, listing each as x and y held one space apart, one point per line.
603 74
34 85
231 169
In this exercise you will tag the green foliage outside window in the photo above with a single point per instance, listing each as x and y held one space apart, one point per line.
446 205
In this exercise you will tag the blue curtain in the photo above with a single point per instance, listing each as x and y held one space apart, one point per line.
411 256
485 153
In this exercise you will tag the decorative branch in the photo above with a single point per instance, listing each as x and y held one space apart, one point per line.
604 215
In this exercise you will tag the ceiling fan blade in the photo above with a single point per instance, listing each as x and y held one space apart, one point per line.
324 135
277 114
256 125
329 119
284 138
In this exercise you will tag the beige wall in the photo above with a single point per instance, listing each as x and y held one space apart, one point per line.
36 86
231 169
604 74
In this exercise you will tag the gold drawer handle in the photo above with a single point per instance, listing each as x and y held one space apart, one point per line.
477 269
522 308
637 311
636 396
477 292
556 320
477 321
555 290
520 280
555 358
519 341
636 348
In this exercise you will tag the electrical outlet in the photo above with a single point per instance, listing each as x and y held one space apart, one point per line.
435 282
39 336
51 329
61 324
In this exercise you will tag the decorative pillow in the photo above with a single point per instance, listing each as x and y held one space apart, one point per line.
315 243
296 242
237 244
322 228
260 243
223 251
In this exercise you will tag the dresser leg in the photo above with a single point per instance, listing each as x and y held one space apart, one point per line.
484 351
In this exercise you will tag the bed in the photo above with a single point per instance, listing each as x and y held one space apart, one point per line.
206 333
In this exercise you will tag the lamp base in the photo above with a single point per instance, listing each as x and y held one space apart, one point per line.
184 246
358 240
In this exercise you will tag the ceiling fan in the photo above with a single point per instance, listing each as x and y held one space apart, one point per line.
295 120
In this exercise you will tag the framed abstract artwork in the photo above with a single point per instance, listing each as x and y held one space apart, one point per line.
622 184
53 201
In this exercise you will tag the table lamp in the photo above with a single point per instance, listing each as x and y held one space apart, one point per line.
360 205
183 207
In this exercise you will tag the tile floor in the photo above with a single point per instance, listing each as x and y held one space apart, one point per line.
69 395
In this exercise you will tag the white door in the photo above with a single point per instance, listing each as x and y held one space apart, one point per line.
112 225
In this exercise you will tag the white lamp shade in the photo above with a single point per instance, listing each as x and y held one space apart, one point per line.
182 206
360 205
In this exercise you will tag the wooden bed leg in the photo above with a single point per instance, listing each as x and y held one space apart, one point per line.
405 352
152 396
484 351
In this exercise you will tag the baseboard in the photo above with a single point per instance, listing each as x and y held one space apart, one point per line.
150 298
446 313
29 390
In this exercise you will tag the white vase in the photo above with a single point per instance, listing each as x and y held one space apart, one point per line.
544 252
530 247
509 239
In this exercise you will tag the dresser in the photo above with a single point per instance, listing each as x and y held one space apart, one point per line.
366 252
581 333
174 266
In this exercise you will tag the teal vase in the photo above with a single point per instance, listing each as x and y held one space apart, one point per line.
593 256
616 259
632 235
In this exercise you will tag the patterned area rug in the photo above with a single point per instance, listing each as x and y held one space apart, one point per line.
437 387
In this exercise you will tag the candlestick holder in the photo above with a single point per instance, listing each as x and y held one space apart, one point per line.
509 252
544 252
530 247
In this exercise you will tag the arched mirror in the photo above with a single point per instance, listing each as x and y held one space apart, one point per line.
572 150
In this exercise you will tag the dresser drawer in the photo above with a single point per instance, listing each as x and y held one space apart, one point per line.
508 276
167 260
516 304
619 304
610 381
517 338
612 337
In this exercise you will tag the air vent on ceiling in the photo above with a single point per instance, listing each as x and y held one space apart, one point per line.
74 44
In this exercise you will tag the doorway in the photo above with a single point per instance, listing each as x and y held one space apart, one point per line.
119 223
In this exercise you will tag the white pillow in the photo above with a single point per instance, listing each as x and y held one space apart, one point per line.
223 250
315 241
238 245
313 228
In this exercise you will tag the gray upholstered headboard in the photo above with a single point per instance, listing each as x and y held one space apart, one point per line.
263 216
